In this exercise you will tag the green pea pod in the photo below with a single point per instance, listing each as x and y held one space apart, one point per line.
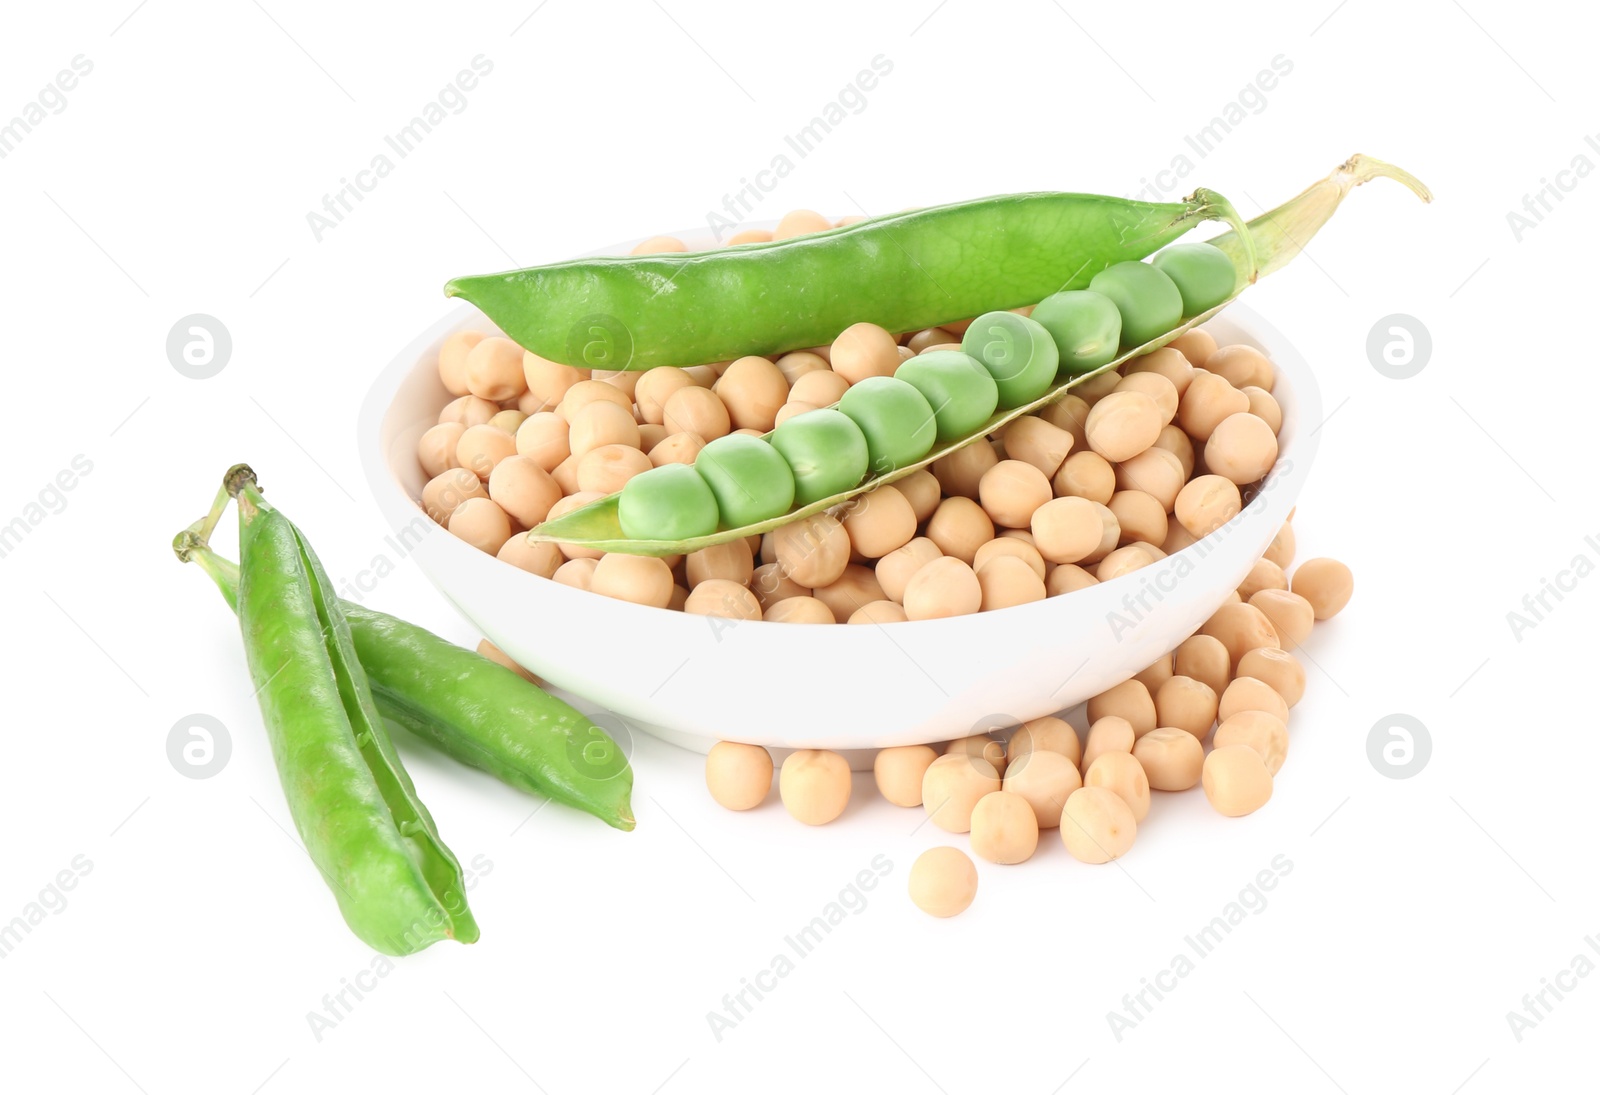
400 889
484 715
1264 245
903 272
480 713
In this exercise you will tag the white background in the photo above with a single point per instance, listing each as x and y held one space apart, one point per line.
177 180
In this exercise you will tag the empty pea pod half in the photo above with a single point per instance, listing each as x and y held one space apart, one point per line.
1111 309
903 272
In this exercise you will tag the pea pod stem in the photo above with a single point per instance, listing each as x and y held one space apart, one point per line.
223 572
198 535
1263 245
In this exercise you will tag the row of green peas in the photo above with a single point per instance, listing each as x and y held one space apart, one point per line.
887 422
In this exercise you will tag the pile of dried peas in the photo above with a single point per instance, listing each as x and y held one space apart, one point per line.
1125 469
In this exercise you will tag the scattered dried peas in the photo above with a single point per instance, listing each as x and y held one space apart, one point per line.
738 776
943 881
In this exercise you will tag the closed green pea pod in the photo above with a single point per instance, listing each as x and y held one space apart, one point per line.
400 889
492 719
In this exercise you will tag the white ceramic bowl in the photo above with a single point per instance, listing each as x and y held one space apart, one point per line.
694 680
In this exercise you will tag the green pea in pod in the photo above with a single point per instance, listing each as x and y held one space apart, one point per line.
397 884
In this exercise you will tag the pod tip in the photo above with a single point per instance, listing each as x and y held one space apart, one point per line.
1361 168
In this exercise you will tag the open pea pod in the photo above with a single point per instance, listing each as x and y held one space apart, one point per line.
903 271
1262 246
